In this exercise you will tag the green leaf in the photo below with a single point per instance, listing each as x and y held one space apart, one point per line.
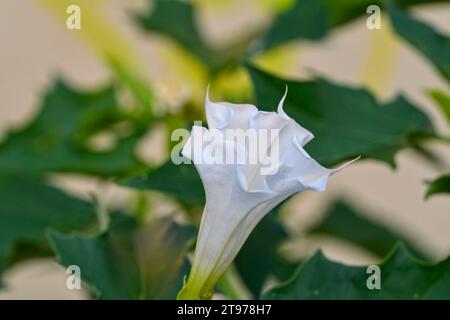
106 262
402 277
432 44
29 206
259 257
176 19
443 101
60 137
347 122
307 19
344 222
129 261
181 181
188 34
439 186
314 19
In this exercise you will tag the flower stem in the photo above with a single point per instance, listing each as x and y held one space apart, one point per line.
231 284
186 293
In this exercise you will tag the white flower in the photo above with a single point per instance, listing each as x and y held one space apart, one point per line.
238 196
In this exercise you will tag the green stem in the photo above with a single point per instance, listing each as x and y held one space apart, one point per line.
103 219
230 284
187 294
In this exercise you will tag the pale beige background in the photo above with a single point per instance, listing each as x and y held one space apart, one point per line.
35 46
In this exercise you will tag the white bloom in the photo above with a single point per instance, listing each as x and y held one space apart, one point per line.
238 196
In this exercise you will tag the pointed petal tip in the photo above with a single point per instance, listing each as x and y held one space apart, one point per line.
336 170
281 103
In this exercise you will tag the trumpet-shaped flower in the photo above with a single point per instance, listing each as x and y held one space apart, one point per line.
238 194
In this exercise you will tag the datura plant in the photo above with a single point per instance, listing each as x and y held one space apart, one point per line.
247 162
239 193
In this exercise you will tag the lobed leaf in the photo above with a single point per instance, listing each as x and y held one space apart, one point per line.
432 44
343 221
30 206
402 277
314 19
129 261
347 122
176 19
60 137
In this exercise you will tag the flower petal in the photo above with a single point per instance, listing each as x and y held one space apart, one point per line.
303 135
221 115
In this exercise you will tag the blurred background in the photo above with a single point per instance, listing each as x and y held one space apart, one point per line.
36 47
